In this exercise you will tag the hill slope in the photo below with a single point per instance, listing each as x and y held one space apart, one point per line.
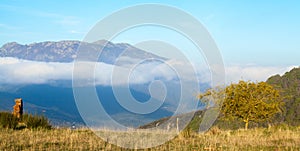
289 86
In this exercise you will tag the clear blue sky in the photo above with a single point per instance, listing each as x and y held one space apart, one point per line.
247 32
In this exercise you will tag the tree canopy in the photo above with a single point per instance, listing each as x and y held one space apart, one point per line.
246 101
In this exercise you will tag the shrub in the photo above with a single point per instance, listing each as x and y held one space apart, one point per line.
36 121
7 120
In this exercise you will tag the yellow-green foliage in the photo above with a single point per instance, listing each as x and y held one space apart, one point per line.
251 101
246 101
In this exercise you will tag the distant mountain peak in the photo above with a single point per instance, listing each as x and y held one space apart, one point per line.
10 44
65 50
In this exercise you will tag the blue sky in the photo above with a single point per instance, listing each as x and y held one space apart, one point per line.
265 33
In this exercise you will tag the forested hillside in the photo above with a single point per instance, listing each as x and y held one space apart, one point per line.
289 87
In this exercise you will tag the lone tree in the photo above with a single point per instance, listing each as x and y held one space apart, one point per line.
247 101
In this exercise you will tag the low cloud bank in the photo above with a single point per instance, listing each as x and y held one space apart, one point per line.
18 71
234 73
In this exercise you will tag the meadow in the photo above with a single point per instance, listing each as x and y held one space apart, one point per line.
274 138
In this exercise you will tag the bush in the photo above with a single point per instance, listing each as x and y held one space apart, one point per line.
36 121
7 120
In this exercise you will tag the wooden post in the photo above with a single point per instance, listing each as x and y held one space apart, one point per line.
168 126
177 124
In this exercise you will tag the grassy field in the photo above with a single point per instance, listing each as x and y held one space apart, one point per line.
275 138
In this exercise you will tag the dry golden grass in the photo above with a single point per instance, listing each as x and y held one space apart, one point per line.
214 139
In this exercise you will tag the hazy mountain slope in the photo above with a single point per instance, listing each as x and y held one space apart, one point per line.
58 104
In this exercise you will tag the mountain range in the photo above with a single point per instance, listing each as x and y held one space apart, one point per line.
55 99
66 51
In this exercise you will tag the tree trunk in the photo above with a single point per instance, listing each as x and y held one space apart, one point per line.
246 123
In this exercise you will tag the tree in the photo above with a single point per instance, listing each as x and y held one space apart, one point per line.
212 97
247 101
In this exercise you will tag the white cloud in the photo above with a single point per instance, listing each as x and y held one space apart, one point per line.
76 32
209 17
68 21
18 71
10 27
65 20
254 73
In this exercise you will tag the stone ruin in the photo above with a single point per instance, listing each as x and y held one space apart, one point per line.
18 108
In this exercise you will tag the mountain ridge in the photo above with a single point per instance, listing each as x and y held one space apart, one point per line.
66 50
